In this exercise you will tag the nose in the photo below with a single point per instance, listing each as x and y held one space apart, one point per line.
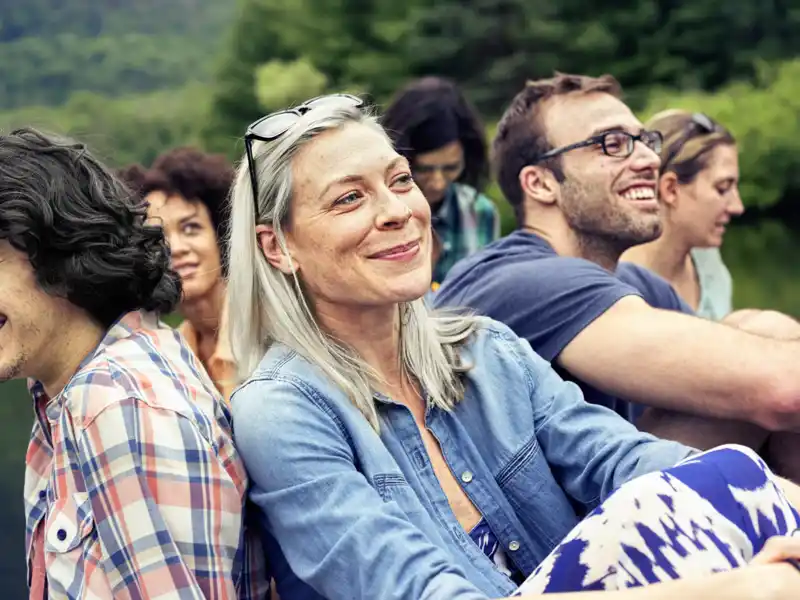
177 245
645 158
393 212
438 182
736 206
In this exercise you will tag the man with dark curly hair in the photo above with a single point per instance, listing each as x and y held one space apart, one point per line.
133 487
186 191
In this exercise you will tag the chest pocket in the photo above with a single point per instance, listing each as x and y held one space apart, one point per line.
69 523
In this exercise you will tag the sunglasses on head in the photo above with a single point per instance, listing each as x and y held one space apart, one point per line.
274 125
698 124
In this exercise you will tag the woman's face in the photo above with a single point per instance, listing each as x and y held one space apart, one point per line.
359 232
195 254
434 171
706 205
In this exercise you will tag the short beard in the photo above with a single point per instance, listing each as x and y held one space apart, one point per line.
603 231
13 370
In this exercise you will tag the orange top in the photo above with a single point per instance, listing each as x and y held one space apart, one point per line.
220 366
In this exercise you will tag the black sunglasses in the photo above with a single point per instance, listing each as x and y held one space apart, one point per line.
698 124
274 125
619 144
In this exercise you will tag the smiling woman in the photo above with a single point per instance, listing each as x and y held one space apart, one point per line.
187 190
699 189
400 453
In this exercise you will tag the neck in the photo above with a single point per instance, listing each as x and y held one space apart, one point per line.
667 256
205 313
599 250
77 343
373 333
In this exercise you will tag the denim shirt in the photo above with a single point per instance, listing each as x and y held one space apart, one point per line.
351 513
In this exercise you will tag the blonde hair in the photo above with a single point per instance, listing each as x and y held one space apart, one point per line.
685 151
267 306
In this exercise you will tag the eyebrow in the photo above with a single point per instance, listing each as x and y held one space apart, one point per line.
609 129
189 217
356 178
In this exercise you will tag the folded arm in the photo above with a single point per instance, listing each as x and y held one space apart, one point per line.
679 362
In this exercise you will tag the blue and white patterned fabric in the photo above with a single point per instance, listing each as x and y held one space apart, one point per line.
487 541
712 512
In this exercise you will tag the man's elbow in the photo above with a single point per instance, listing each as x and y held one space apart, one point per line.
779 399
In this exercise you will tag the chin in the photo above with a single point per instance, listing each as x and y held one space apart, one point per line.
408 289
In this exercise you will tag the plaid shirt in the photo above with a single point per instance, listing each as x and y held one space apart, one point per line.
133 488
465 222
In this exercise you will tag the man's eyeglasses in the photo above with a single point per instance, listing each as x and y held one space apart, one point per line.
274 125
698 124
619 144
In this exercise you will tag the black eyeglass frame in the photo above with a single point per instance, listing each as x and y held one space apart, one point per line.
601 139
252 132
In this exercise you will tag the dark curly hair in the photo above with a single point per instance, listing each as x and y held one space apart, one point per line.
197 177
423 99
82 230
134 176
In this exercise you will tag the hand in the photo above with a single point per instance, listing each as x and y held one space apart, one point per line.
780 549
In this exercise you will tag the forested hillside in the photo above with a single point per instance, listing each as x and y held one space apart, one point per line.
52 48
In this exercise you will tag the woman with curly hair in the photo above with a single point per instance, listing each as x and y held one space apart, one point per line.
434 126
186 190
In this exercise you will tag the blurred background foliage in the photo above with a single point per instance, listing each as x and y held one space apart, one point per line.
134 78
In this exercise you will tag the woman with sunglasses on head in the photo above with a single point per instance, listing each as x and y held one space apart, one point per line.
699 189
399 453
187 192
439 132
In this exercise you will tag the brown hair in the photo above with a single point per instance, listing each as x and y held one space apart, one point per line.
197 177
686 145
521 136
133 176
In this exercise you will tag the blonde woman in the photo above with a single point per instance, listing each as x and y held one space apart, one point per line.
396 453
699 190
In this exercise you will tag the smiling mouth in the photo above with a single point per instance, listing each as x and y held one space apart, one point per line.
185 270
639 193
396 251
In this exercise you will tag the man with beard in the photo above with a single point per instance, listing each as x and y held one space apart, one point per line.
581 173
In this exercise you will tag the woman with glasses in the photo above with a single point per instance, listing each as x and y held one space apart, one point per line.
399 453
699 189
441 135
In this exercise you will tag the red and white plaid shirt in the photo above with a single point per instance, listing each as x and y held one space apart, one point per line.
133 488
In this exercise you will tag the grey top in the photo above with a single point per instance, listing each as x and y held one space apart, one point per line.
716 284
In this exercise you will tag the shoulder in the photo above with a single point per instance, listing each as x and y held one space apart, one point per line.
494 346
287 390
529 278
656 290
153 367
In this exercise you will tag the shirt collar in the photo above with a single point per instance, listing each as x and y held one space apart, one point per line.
124 327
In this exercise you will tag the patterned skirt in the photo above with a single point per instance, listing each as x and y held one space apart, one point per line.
712 512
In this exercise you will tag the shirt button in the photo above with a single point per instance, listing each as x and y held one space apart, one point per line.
466 476
514 546
42 494
61 535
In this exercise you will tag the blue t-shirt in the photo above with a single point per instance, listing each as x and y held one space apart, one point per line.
549 299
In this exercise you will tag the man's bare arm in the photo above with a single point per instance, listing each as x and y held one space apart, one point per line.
670 360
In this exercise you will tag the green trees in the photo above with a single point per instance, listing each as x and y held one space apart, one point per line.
50 48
